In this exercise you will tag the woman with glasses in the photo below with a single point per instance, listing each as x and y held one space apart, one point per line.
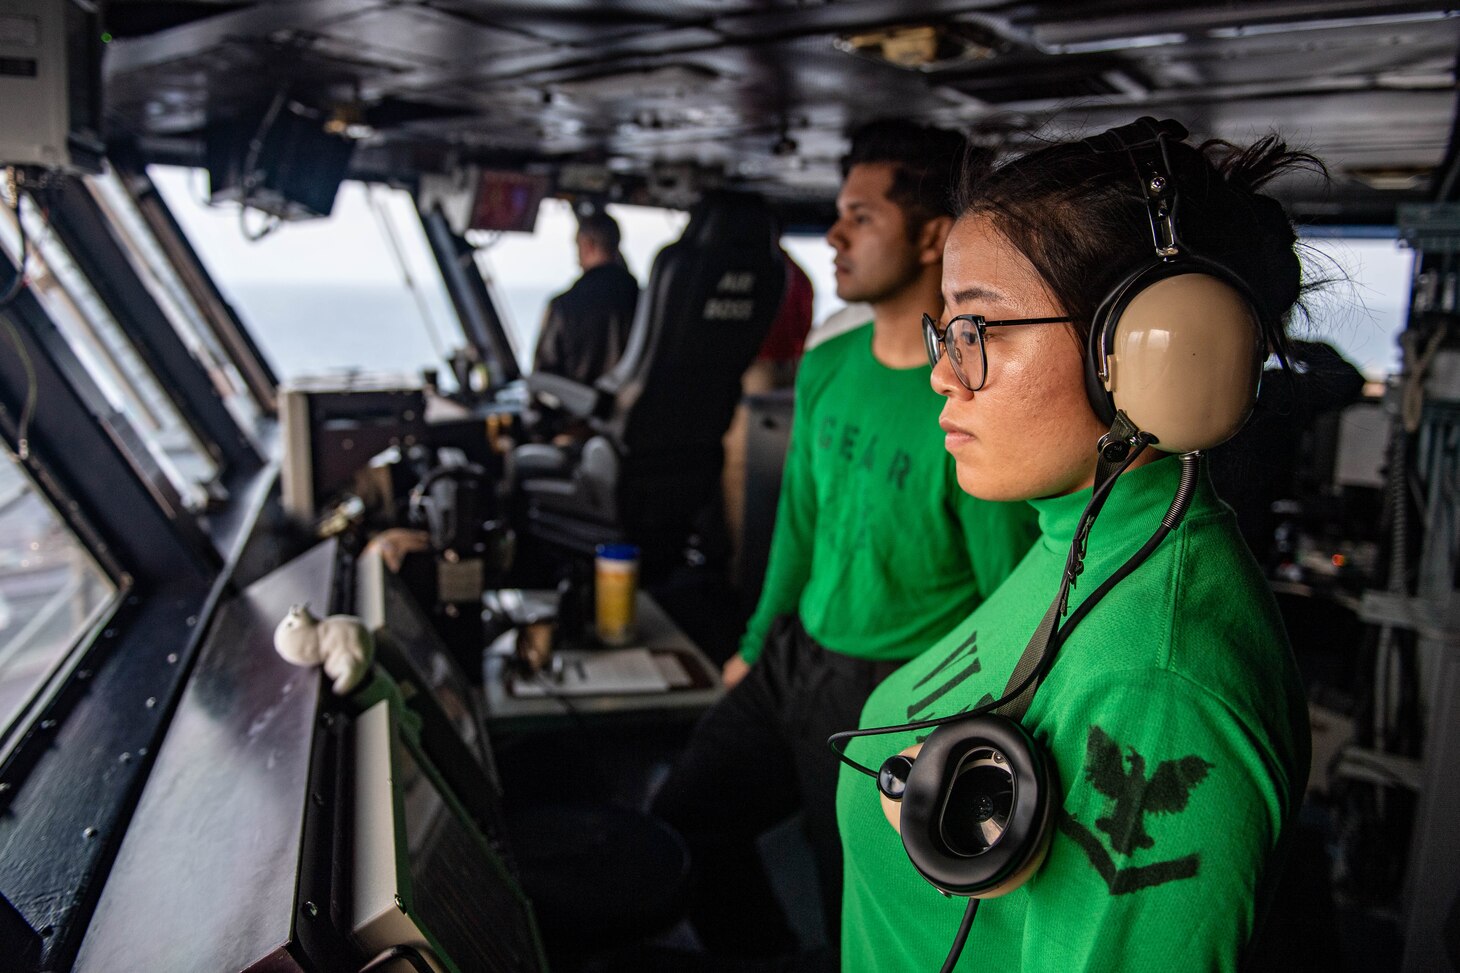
1172 715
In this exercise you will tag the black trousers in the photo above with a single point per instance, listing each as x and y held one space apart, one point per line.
754 759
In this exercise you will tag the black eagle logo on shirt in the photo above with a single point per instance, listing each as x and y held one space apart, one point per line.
1165 792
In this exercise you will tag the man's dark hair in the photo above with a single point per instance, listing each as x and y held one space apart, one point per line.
927 164
602 229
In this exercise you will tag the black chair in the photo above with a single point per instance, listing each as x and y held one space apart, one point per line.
651 464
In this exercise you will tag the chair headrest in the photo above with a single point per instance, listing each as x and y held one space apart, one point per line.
729 218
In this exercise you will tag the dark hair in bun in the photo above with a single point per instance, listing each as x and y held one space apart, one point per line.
1079 217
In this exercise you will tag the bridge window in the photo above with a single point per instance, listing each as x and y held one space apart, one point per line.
1363 311
358 291
525 270
814 255
51 591
109 356
161 279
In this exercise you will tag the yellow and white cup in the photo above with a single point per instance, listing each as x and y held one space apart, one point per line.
616 581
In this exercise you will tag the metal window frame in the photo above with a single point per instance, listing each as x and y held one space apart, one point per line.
72 769
82 227
478 316
137 524
228 330
72 783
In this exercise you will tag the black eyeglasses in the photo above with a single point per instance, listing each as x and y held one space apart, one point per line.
963 338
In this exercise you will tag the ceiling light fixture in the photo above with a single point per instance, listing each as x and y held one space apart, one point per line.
924 47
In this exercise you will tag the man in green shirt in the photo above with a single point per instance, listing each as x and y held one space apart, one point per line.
876 551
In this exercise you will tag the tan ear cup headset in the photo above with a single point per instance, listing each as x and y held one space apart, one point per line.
1179 344
974 803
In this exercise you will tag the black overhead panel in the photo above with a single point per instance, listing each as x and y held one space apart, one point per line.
127 18
762 93
1326 81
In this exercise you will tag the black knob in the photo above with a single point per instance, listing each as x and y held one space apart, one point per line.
892 778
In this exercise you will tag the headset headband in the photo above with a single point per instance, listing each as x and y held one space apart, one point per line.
1139 134
1152 171
1159 190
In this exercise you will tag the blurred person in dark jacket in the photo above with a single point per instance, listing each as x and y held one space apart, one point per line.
586 327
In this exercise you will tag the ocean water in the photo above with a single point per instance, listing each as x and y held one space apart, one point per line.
312 329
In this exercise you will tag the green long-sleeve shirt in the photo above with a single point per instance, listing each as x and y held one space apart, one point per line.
875 545
1176 721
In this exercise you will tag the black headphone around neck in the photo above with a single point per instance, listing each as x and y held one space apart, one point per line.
1175 353
974 783
974 806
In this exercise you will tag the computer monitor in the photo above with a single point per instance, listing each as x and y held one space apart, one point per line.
507 201
435 689
332 425
423 877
